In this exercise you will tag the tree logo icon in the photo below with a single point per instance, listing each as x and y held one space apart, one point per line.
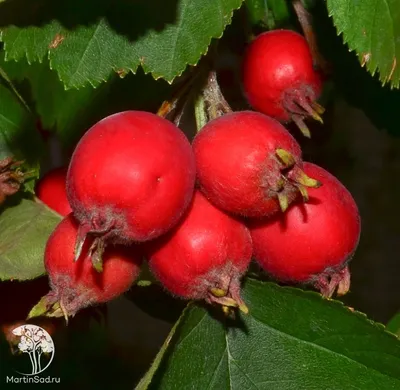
37 344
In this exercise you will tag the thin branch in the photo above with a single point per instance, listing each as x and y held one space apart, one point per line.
306 22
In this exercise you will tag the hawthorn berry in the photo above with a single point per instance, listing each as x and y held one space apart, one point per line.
204 257
279 78
249 164
130 179
51 190
76 284
312 242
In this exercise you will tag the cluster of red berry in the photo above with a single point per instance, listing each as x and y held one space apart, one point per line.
131 190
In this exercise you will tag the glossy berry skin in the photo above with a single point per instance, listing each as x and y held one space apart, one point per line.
51 190
77 284
237 167
311 239
278 74
131 176
208 249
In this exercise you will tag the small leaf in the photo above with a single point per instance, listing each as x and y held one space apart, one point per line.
291 339
24 230
372 29
161 37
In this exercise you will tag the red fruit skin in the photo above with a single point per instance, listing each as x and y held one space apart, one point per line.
133 172
78 284
51 190
310 238
237 164
207 249
276 63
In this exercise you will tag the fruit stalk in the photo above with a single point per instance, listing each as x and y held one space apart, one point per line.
306 22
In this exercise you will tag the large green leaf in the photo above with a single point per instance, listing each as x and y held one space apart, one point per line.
290 340
394 325
24 230
372 29
61 110
87 41
71 112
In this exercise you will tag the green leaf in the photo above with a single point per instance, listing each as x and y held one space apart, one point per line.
146 380
63 110
372 29
268 13
162 38
18 135
24 230
290 340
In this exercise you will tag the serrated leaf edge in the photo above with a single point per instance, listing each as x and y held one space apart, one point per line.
333 302
170 81
372 70
156 75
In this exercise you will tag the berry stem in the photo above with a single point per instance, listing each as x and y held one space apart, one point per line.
210 102
11 86
171 104
200 112
305 20
215 101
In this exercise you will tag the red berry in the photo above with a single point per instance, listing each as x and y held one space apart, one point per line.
76 285
279 78
248 164
51 190
312 242
131 177
204 257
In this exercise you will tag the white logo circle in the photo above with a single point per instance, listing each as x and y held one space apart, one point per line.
36 343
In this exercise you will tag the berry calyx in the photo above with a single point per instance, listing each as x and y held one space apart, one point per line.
312 242
204 257
130 179
76 285
249 164
11 177
51 190
279 78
